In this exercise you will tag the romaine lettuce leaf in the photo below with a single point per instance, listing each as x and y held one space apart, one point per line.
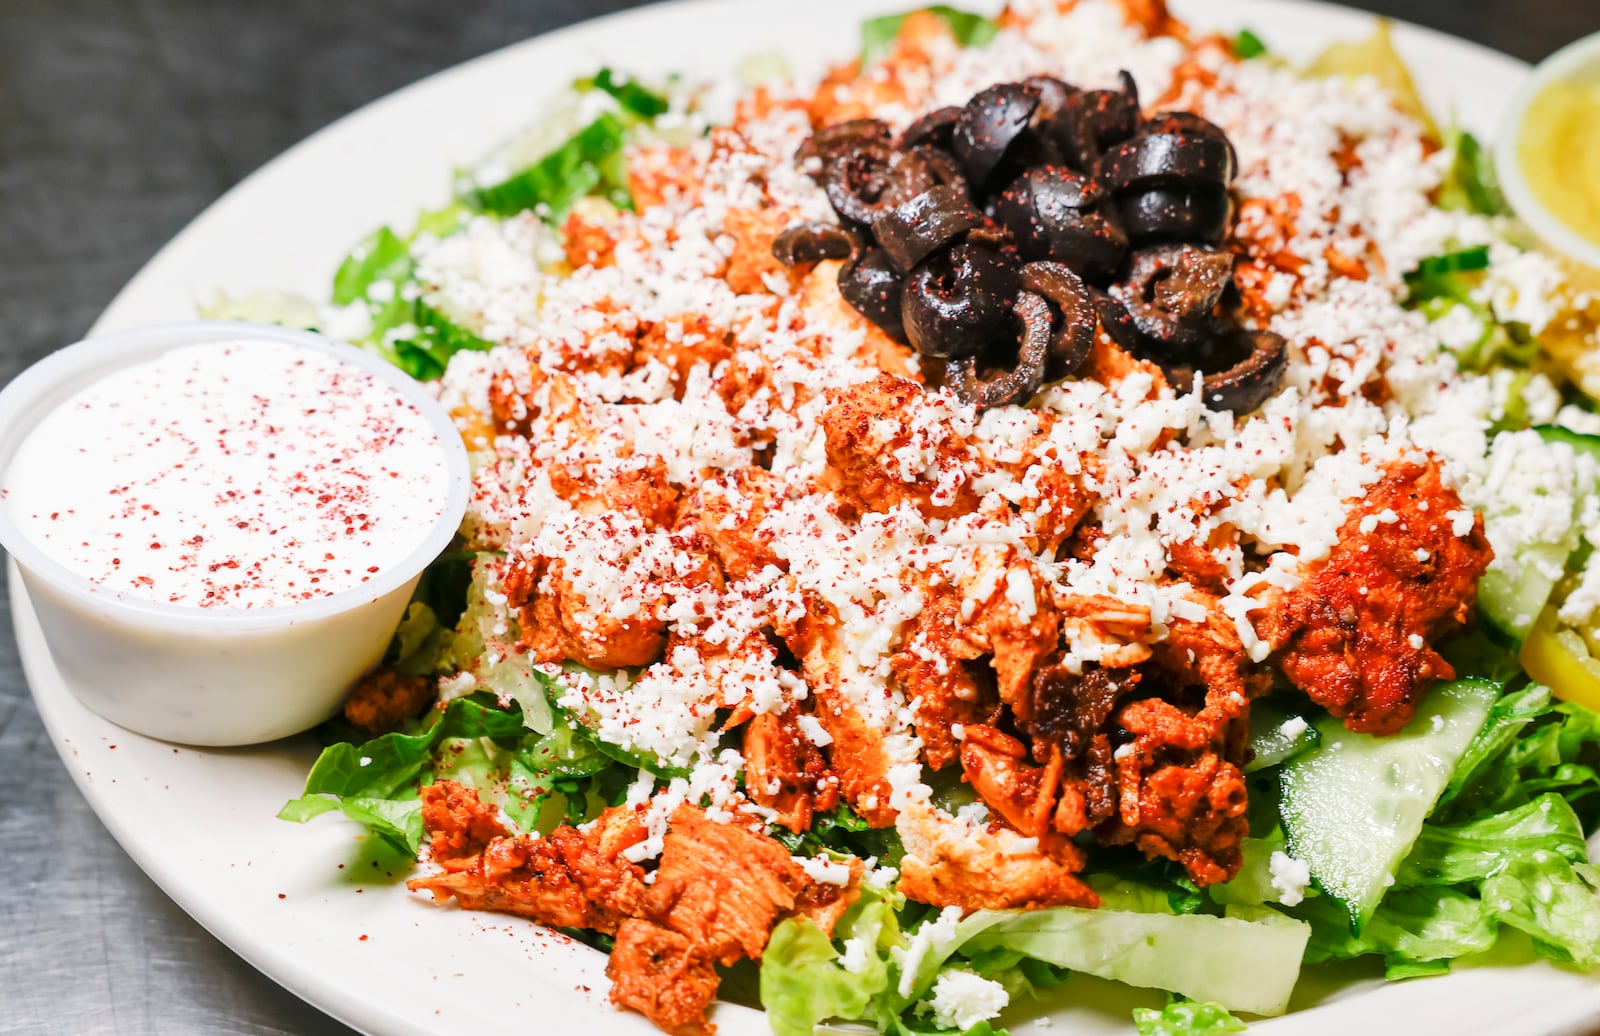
1251 960
806 980
1409 926
1470 184
638 101
969 29
592 158
1506 848
434 339
1185 1018
1473 851
382 255
375 783
1247 45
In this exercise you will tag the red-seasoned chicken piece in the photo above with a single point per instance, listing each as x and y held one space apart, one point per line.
384 699
947 865
890 442
937 670
785 771
1357 634
728 513
1178 797
572 879
460 825
994 763
856 754
717 894
657 972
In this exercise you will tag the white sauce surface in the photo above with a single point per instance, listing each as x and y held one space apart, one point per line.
230 475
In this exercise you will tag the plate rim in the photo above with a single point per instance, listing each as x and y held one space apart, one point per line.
371 1014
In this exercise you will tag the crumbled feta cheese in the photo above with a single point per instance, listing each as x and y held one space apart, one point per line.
824 871
1289 877
962 999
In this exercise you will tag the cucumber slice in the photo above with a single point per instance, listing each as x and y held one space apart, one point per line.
1247 960
1276 735
1580 442
1511 607
1352 806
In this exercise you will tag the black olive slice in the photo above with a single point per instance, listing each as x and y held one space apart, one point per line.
1252 381
1054 213
914 229
958 302
940 165
1187 280
871 284
1054 95
1073 339
988 126
1152 332
1163 307
854 178
1112 115
843 136
801 244
933 128
1073 135
1017 385
1160 159
1176 213
1189 122
862 182
1196 282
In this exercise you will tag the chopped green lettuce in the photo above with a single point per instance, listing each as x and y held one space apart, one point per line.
1470 183
434 338
591 161
1251 960
638 101
1408 927
420 643
563 775
1247 45
806 979
284 308
1185 1018
375 783
842 831
969 29
1505 848
382 255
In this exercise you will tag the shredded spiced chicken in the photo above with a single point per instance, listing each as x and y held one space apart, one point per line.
757 537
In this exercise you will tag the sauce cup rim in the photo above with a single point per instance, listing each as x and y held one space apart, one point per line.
39 389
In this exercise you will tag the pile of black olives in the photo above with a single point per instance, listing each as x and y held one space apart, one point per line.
993 238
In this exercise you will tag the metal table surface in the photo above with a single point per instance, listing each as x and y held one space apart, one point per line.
120 120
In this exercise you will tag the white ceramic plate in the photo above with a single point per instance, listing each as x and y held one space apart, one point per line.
314 906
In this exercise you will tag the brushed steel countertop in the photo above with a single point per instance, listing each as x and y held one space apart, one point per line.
120 120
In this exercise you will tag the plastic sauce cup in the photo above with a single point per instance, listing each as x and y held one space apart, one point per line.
212 676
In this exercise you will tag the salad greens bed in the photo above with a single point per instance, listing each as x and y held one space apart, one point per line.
1419 849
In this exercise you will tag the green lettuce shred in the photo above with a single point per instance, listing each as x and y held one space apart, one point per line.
426 352
638 101
969 29
1247 45
591 161
1504 849
1470 184
1185 1018
375 783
